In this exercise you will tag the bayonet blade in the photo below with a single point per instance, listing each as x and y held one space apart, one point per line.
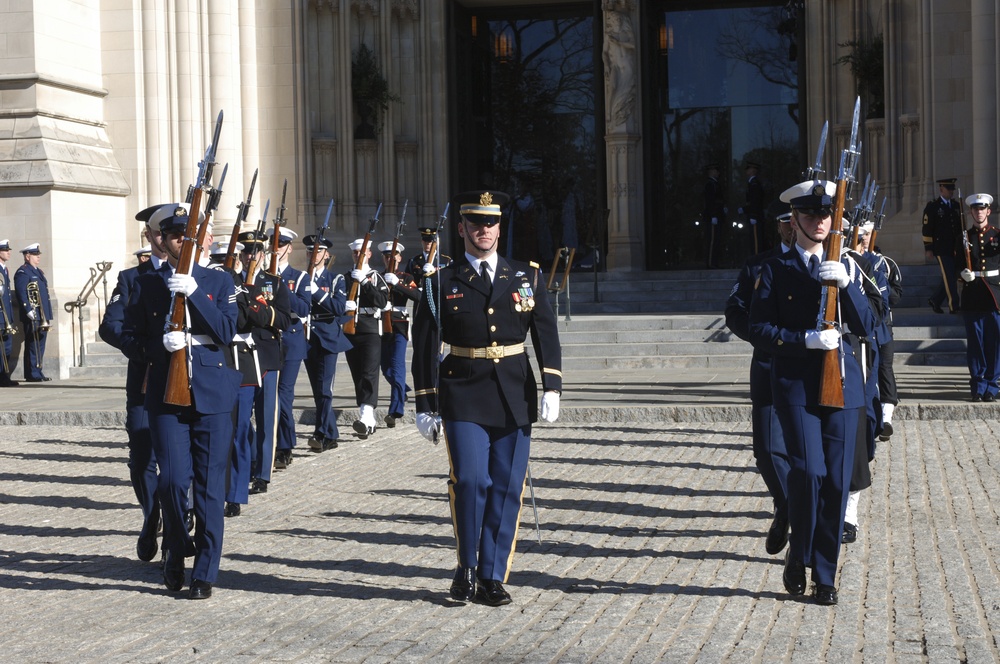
267 205
855 146
818 167
326 222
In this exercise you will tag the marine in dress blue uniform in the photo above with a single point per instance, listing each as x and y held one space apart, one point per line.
365 355
141 460
191 443
404 290
769 451
35 316
942 232
327 340
980 298
820 440
294 344
7 329
484 390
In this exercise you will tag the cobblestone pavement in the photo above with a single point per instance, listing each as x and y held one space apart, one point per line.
652 550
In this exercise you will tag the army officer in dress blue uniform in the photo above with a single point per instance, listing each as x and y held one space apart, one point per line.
820 440
7 330
980 295
486 395
36 311
327 340
191 443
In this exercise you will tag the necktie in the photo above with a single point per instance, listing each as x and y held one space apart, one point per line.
814 267
484 272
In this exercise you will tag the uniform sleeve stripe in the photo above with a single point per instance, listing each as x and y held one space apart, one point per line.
421 393
554 372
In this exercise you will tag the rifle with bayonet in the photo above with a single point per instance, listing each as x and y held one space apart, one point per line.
257 236
879 218
391 268
965 231
350 325
243 209
211 206
831 385
279 221
816 170
318 244
178 389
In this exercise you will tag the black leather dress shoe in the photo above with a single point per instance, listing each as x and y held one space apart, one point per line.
463 587
935 306
794 576
282 459
316 442
200 589
232 509
9 383
390 420
976 398
491 593
258 485
886 431
173 571
989 398
362 429
777 534
825 595
850 535
330 444
43 379
145 546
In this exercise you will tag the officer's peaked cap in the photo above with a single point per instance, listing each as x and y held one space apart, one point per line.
481 207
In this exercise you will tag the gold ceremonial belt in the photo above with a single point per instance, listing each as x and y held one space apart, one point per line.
488 353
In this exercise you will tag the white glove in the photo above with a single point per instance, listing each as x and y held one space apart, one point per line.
351 305
550 406
427 425
391 278
174 341
429 269
967 275
31 314
834 271
310 286
753 222
715 221
183 284
359 275
822 339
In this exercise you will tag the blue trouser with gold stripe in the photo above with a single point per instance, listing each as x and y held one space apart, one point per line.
488 467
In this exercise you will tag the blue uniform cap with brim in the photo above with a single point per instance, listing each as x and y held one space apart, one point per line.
310 241
170 217
482 206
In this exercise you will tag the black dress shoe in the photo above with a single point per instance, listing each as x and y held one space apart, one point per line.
330 444
886 431
316 442
935 306
9 383
989 398
976 398
282 459
200 589
491 593
463 587
232 509
258 485
777 534
362 429
794 576
825 595
173 571
850 535
145 546
390 421
43 379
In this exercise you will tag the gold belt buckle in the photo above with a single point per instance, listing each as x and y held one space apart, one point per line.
494 352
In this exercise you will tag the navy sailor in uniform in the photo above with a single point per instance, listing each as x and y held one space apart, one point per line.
484 390
191 443
820 440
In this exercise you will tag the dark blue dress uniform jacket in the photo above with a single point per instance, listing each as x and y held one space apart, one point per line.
500 393
786 304
213 313
294 338
25 275
327 313
111 329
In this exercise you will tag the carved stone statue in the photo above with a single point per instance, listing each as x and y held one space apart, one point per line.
619 62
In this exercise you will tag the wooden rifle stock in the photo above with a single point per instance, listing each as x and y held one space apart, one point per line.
831 383
272 267
234 237
178 390
965 231
350 325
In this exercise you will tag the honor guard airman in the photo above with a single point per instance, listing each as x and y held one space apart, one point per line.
942 233
753 210
713 216
769 451
141 460
191 443
294 344
396 335
36 311
819 439
484 390
327 340
980 295
7 329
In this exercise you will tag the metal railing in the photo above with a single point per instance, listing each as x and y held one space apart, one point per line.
98 275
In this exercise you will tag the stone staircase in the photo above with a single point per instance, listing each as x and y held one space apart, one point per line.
674 320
